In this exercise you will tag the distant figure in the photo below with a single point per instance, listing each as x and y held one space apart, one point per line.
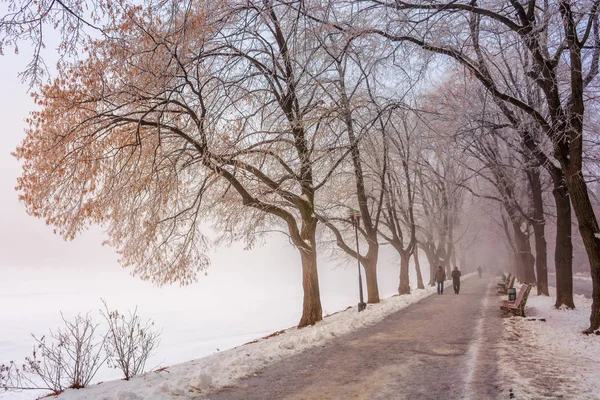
456 280
440 277
479 271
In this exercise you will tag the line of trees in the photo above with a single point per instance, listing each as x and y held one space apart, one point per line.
269 114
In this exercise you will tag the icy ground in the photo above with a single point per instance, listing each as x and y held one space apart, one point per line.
551 359
191 379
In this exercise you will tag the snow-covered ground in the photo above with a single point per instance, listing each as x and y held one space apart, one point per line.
246 295
552 358
191 379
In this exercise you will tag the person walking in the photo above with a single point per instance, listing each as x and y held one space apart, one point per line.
479 271
456 280
440 277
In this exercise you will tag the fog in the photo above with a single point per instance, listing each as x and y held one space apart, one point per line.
245 294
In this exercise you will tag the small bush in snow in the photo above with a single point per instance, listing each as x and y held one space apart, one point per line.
10 377
71 359
129 341
68 358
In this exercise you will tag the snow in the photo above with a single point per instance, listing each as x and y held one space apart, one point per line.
582 277
551 358
578 276
191 379
246 295
474 351
554 163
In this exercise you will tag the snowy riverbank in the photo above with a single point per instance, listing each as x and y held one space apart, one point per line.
191 379
577 277
237 302
552 358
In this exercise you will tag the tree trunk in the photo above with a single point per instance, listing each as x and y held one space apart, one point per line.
525 260
312 311
541 259
418 268
370 266
515 268
363 204
455 265
404 286
464 266
588 227
563 252
539 228
433 263
513 265
449 254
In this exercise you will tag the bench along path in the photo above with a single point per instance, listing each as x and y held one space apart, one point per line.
443 347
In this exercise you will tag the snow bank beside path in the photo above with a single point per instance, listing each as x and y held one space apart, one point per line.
191 379
551 358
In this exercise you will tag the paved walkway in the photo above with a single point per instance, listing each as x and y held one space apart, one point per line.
440 348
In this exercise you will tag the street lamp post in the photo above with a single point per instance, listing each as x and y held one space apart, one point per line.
355 219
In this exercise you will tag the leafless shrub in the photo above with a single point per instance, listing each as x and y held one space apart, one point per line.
11 377
129 341
72 358
69 359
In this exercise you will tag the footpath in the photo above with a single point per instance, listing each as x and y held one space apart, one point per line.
444 347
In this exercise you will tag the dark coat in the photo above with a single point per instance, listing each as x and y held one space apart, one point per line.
440 276
456 275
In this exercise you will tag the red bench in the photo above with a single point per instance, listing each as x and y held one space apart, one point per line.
517 307
505 281
507 285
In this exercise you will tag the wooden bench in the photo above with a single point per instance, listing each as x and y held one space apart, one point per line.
517 307
507 285
503 283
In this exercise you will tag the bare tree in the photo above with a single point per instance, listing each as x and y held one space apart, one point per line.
352 72
440 200
400 136
484 124
560 36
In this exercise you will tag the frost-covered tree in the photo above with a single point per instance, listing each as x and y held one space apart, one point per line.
211 114
402 154
562 39
494 153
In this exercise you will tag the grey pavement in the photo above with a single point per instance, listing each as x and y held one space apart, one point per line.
443 347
